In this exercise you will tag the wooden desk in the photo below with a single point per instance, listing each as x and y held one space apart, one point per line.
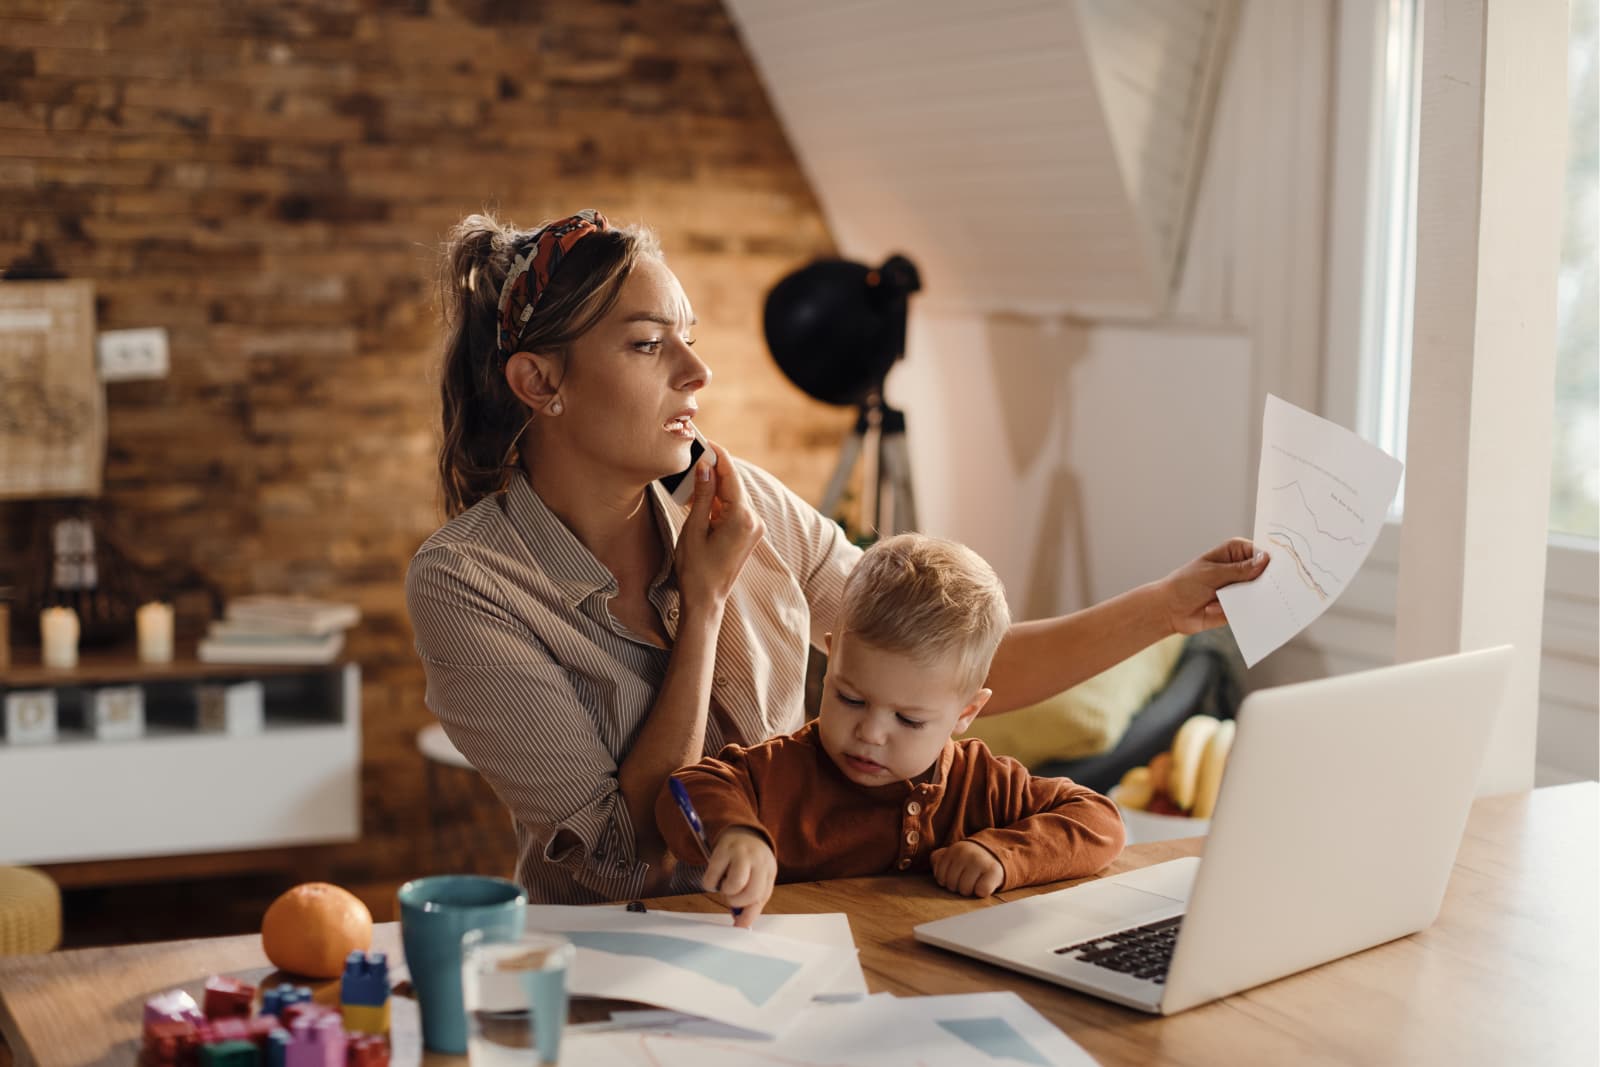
1508 974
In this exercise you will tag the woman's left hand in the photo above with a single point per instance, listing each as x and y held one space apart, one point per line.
1189 594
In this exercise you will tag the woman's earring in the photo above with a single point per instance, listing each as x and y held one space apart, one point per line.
555 407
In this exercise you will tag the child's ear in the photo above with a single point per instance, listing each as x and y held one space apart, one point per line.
970 712
827 642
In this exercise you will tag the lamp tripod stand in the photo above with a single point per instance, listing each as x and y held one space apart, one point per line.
878 440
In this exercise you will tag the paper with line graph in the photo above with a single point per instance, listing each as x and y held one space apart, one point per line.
1321 497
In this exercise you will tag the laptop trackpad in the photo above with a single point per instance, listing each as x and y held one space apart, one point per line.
1146 895
1174 878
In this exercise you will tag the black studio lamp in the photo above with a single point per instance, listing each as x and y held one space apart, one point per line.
835 329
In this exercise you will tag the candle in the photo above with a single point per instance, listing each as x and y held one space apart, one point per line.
58 630
154 621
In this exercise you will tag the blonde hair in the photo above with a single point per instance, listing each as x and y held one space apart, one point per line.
932 599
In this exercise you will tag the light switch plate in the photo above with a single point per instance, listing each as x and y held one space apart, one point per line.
129 355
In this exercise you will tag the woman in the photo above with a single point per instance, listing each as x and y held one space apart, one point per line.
582 636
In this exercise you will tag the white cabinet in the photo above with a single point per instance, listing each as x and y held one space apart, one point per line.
185 784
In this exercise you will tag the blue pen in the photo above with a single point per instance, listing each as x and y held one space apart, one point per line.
685 805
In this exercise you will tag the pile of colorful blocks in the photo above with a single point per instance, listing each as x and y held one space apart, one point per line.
291 1030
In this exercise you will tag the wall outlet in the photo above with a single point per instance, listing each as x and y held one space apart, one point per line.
128 355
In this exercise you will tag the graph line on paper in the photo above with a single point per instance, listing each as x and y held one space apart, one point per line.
1284 538
1295 485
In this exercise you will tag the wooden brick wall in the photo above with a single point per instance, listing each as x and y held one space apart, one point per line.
268 179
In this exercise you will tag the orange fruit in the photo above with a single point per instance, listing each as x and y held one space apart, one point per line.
310 929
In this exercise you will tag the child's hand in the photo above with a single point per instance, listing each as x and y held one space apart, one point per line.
742 869
968 869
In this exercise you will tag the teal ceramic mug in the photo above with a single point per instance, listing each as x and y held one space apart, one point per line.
434 914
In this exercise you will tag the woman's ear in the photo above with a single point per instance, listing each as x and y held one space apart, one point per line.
534 377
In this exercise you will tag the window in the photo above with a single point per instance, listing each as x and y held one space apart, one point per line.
1383 397
1575 469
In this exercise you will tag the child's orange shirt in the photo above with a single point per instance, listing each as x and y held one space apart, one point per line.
820 824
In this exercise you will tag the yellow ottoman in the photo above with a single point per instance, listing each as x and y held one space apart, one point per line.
30 912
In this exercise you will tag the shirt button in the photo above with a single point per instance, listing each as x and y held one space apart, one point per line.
913 808
904 864
672 614
912 837
720 681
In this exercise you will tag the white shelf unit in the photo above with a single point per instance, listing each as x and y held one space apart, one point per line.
177 790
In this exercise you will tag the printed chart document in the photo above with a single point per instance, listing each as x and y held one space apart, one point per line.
1321 496
970 1030
745 978
825 928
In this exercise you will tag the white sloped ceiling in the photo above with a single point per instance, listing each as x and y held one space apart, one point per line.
1034 156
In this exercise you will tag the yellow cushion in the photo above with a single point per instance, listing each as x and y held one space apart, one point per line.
1089 718
30 912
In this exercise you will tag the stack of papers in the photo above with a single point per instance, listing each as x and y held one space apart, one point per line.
971 1030
279 629
755 980
790 992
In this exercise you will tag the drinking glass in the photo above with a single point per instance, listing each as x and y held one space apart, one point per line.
514 989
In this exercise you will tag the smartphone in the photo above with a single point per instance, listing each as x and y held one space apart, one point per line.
680 486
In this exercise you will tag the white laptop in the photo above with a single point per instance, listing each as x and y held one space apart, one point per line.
1341 810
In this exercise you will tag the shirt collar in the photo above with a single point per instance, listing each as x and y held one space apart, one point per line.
564 558
669 516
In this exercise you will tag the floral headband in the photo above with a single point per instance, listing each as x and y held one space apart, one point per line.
531 271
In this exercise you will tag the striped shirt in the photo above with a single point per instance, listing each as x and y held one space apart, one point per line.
543 691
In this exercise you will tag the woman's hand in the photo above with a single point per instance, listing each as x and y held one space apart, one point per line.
718 535
743 869
968 868
1189 594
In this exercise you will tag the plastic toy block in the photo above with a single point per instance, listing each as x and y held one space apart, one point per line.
277 999
174 1004
263 1027
168 1043
218 1031
305 1009
230 1054
365 1019
367 1051
317 1042
277 1051
365 980
228 997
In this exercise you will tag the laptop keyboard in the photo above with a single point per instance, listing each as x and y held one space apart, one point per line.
1142 952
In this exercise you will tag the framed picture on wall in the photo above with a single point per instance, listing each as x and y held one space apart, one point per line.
52 402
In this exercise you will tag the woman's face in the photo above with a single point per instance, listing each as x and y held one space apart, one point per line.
628 391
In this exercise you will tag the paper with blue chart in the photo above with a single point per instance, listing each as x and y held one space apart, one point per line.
749 979
1321 497
971 1030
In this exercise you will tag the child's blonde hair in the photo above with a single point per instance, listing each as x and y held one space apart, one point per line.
929 598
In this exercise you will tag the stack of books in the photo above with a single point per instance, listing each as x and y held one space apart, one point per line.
278 629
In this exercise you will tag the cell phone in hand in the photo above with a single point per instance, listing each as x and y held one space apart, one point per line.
680 486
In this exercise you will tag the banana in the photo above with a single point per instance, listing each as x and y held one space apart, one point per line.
1212 764
1187 749
1134 790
